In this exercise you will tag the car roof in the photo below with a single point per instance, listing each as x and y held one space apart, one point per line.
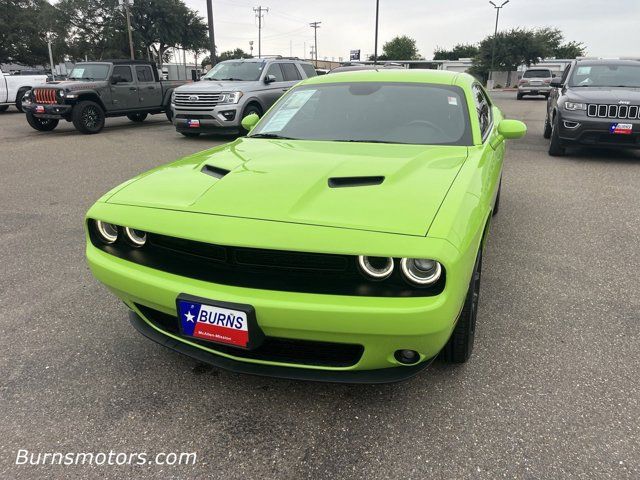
604 61
441 77
264 60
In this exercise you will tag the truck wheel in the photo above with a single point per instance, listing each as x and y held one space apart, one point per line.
190 134
460 345
137 117
88 117
169 113
41 124
519 96
3 108
19 99
547 128
555 147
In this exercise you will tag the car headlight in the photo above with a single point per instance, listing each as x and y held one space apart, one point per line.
421 271
572 106
230 97
137 237
173 97
26 95
376 268
108 231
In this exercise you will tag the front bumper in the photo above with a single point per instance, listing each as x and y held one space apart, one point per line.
55 110
220 119
579 129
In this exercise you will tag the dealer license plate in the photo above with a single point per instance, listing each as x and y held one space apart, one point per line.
218 322
621 128
193 123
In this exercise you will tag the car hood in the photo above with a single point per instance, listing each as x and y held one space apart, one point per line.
289 181
71 85
605 95
211 86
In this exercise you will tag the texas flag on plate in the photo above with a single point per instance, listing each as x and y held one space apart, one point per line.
212 323
193 123
621 128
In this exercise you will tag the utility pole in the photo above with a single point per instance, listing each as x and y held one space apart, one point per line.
495 39
212 38
127 13
375 45
49 37
259 15
315 26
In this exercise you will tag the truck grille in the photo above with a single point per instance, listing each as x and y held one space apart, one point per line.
613 111
45 95
197 99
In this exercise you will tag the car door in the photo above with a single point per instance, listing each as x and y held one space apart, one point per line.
493 147
291 74
3 89
124 94
149 91
274 90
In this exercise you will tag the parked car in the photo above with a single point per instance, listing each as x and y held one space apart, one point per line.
13 88
96 90
594 103
535 81
331 243
232 90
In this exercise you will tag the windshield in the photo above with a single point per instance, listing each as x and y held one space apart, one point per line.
89 71
605 76
537 74
235 71
374 112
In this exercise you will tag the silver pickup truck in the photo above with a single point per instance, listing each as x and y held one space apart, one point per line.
232 90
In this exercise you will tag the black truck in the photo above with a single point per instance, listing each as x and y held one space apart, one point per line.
96 90
594 103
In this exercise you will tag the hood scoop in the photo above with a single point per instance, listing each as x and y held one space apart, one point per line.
214 171
343 182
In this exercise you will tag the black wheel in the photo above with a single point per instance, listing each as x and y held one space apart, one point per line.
248 111
3 108
88 117
459 347
519 96
190 134
496 205
41 124
19 99
137 117
547 128
555 147
169 113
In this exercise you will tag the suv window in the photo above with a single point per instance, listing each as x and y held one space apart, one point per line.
144 73
308 69
540 73
483 109
274 69
290 71
124 71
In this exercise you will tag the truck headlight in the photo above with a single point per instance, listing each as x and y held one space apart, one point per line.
571 106
230 97
173 97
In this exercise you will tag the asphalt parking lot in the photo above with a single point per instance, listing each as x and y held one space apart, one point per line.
552 391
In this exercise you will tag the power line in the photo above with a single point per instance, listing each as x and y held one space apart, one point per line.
260 15
315 26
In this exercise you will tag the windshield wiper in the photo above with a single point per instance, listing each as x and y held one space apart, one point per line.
272 135
363 141
231 79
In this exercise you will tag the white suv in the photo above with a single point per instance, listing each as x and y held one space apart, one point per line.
535 81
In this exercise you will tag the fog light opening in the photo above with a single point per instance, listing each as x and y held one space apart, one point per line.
407 357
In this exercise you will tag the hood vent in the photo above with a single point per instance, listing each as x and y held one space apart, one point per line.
341 182
216 172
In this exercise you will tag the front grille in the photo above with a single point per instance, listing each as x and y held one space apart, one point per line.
285 350
197 99
622 112
45 95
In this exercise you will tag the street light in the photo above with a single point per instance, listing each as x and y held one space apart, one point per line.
495 35
375 46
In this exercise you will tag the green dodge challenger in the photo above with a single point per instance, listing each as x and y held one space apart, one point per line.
340 240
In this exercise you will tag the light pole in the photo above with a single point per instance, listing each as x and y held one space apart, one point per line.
127 13
212 38
495 38
375 46
49 40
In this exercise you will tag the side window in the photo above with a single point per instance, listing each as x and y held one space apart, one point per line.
483 109
124 71
144 73
291 73
308 69
275 70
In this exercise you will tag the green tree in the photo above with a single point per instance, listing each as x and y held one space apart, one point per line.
231 54
399 48
459 51
570 50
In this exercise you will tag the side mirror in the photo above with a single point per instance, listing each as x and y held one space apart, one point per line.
512 129
556 82
553 75
116 79
269 79
250 121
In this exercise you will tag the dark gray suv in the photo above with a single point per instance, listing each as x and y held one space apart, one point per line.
595 103
232 90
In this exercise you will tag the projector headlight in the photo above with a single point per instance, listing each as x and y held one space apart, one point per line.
376 268
108 232
421 271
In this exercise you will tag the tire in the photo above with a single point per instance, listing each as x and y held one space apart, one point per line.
496 205
88 117
137 117
519 96
190 134
41 124
249 109
19 99
169 113
547 128
460 345
555 147
3 108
